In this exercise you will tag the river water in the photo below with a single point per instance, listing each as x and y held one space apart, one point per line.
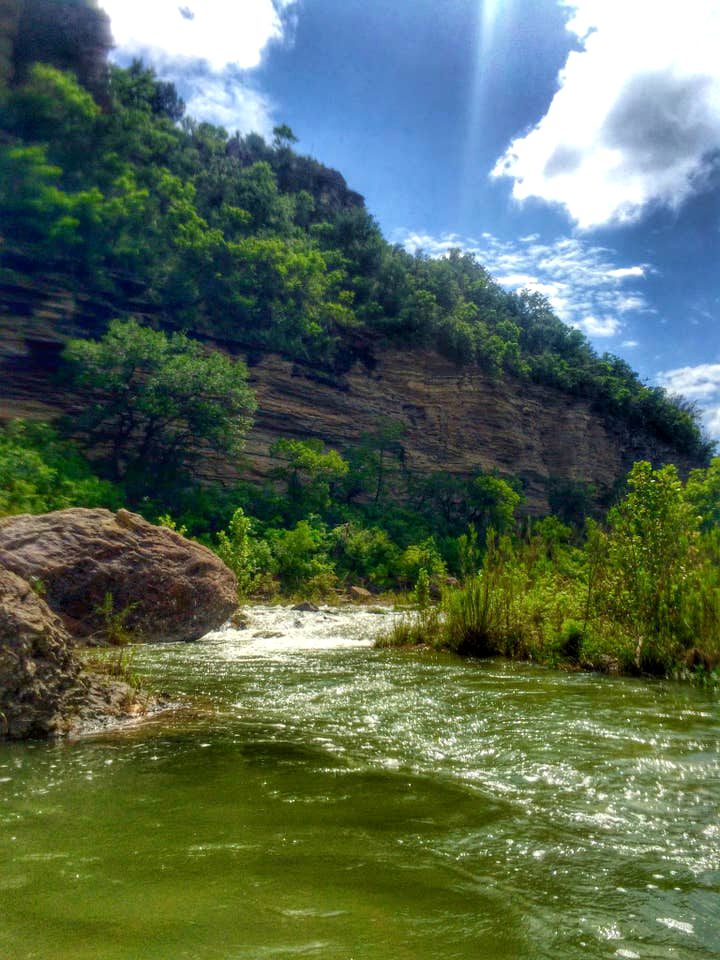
318 798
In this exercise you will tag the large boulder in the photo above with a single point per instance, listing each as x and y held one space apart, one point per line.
162 586
38 671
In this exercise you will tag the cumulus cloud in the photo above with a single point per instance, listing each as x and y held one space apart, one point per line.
599 327
712 422
208 49
700 383
231 101
584 286
221 32
636 118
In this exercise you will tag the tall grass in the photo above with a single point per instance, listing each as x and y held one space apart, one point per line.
571 606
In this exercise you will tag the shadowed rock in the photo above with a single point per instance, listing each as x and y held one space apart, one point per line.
37 668
69 34
163 586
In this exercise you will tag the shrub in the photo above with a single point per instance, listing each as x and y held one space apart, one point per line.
39 472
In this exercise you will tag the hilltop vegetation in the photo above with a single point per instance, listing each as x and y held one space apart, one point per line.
229 235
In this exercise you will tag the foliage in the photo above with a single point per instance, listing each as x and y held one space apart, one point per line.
236 237
249 558
642 595
308 472
157 399
301 554
421 593
648 569
39 472
365 554
702 492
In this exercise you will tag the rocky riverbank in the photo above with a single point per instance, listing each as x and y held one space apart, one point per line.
72 576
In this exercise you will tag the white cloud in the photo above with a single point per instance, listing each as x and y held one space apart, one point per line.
700 383
232 103
206 47
620 273
222 32
585 288
629 344
598 327
712 421
636 117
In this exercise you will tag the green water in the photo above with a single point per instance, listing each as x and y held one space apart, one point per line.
334 801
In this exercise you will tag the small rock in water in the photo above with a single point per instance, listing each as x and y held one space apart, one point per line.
240 620
360 593
268 634
306 607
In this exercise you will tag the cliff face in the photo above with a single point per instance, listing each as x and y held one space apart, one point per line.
456 419
70 34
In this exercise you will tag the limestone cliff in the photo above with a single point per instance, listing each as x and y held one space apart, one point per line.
457 419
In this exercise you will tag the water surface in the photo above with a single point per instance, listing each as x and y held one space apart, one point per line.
323 799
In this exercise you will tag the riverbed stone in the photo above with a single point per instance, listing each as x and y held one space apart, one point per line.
360 593
38 671
160 585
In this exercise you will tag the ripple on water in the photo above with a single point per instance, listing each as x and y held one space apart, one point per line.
328 799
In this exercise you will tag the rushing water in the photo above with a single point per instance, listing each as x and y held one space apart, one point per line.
324 799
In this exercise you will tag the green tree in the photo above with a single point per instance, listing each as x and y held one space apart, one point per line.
154 400
493 503
365 553
309 472
648 571
247 556
283 136
702 492
51 108
300 554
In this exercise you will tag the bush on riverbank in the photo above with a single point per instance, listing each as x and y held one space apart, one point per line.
642 595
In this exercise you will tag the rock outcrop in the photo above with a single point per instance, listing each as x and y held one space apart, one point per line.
44 690
69 34
162 586
457 419
38 671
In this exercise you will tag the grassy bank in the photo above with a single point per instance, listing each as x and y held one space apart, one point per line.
639 596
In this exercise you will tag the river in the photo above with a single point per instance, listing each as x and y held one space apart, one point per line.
319 798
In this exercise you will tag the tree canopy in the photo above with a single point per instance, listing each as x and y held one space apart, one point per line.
154 400
231 236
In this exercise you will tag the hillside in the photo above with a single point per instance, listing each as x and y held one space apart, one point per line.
459 420
113 203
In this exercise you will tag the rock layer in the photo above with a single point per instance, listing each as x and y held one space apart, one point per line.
37 669
457 419
162 586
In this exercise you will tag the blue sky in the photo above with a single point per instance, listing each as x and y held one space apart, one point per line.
574 145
